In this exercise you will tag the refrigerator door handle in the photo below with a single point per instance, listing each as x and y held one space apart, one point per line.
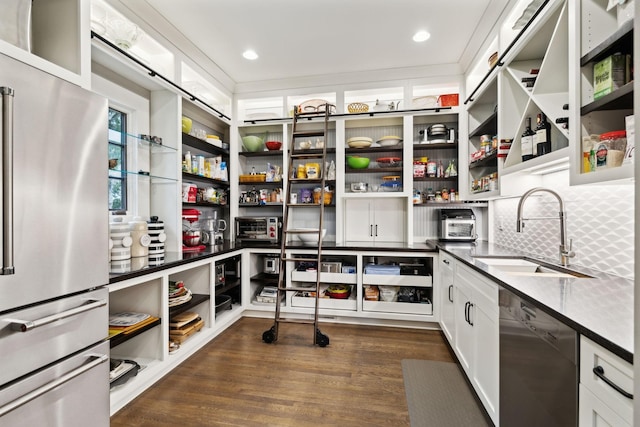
27 325
22 400
6 124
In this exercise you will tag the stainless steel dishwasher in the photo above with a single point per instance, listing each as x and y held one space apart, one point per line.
538 366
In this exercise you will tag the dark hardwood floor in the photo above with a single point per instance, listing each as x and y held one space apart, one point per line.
237 380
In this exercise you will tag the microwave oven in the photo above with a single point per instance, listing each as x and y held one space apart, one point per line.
258 229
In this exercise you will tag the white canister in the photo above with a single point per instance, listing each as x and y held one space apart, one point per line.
120 240
120 266
140 237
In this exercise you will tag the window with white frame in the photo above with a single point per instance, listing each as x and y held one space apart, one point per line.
117 160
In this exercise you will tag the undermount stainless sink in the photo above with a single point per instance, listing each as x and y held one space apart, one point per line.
521 266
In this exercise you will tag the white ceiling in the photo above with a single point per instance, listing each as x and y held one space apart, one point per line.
299 38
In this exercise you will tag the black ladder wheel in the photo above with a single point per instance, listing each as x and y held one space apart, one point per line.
269 335
321 339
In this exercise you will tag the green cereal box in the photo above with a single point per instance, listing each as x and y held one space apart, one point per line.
610 74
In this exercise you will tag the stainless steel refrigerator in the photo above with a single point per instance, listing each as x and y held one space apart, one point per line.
54 230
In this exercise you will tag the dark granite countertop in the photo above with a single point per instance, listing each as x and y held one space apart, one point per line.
600 307
173 259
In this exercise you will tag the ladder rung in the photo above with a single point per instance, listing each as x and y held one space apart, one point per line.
301 259
306 231
308 133
307 156
299 321
305 180
297 289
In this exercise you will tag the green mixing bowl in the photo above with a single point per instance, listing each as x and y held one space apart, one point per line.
253 143
357 162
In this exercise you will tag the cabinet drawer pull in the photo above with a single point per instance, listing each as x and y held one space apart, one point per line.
466 311
450 296
446 261
27 325
22 400
599 371
469 315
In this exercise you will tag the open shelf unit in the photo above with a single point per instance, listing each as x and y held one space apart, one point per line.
149 294
609 112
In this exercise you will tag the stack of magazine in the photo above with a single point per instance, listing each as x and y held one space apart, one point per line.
128 322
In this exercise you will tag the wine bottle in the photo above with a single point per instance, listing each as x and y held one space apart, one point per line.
526 142
543 135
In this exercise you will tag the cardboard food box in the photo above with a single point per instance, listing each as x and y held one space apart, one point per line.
610 74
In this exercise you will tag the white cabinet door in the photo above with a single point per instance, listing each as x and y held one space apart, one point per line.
389 220
486 369
464 337
358 225
600 403
371 219
447 317
592 412
477 334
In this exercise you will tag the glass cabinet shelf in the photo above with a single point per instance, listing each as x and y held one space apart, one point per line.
142 174
155 147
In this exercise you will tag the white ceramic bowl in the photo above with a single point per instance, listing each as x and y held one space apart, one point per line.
389 141
310 238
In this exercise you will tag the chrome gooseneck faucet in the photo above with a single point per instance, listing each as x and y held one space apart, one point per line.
565 250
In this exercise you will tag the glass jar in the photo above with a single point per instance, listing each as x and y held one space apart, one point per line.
432 168
419 169
445 195
493 181
430 195
485 147
611 148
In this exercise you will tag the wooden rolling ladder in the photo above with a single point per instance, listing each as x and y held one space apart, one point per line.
296 157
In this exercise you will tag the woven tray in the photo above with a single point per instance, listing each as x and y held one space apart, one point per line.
261 177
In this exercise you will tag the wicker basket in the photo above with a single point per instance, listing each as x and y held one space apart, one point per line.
261 177
357 107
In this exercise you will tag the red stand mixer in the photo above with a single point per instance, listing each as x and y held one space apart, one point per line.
193 239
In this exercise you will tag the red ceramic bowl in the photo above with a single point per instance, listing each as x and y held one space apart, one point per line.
273 145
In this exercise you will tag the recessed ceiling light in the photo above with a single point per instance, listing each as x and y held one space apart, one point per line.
421 36
250 54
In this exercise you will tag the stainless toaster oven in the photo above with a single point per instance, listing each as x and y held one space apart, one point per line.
457 225
258 229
